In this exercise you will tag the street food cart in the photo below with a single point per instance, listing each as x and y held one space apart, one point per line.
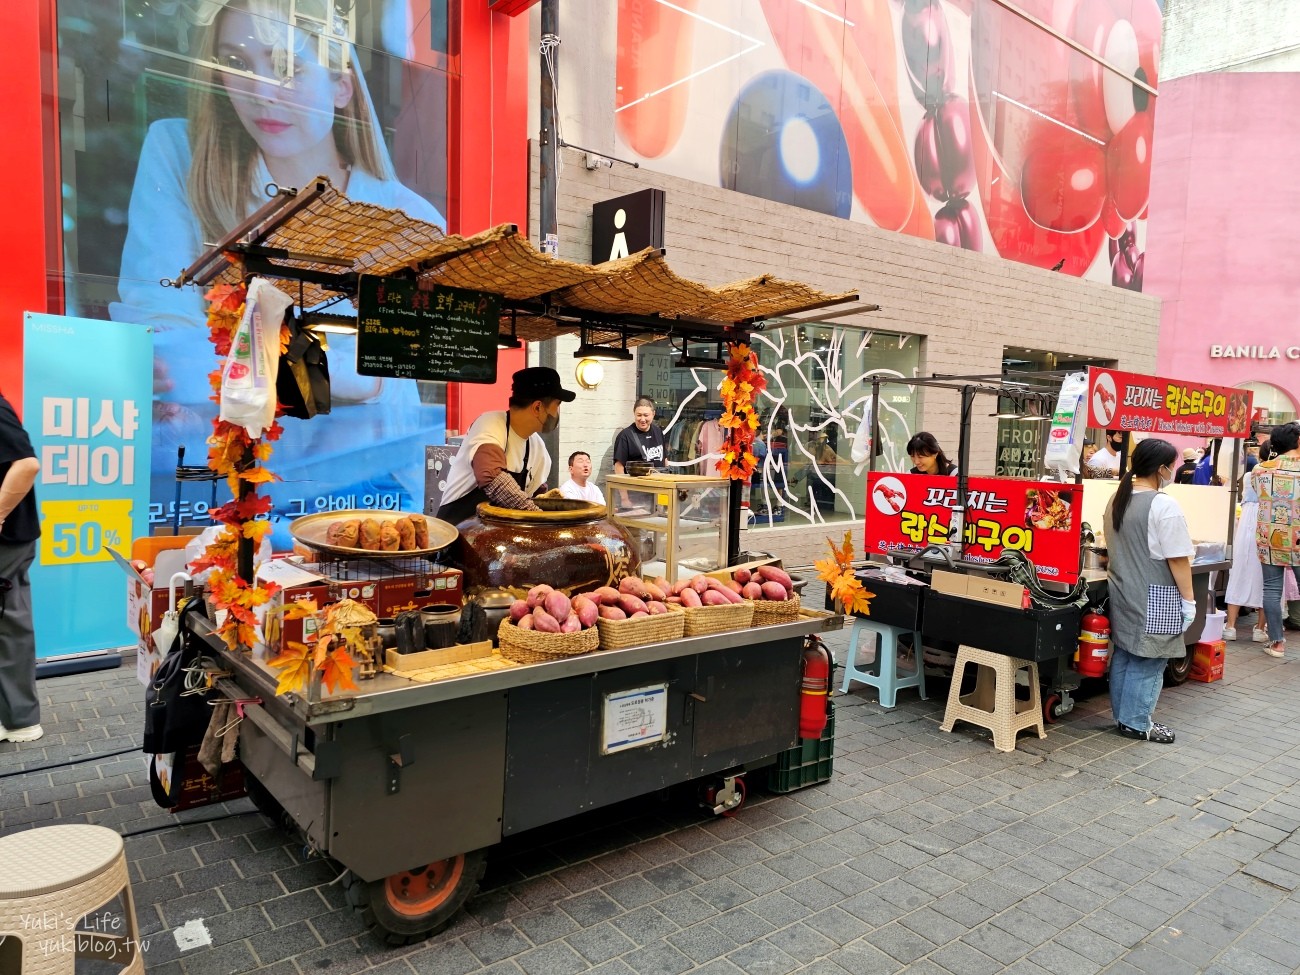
1026 540
409 779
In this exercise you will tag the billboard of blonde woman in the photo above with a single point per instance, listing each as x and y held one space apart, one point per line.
207 104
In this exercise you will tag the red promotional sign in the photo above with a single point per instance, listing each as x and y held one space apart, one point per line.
1149 404
907 512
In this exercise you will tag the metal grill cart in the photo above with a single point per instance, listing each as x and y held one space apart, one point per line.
1027 605
410 781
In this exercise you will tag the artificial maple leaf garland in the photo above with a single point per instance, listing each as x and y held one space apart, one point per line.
232 452
845 586
740 388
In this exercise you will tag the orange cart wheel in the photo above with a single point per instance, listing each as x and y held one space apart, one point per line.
1050 704
413 904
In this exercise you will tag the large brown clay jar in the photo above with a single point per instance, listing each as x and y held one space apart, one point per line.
572 546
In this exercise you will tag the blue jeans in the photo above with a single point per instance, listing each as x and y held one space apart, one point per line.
1135 684
1274 578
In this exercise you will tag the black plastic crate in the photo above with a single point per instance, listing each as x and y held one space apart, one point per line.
808 763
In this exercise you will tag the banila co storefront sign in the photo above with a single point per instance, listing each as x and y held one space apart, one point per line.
627 224
1255 352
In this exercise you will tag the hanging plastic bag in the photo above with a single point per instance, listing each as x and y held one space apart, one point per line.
248 376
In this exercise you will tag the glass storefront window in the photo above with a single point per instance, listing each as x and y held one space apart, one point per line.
817 401
1272 405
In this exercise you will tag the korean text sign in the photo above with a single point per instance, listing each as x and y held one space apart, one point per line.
1151 404
907 512
87 406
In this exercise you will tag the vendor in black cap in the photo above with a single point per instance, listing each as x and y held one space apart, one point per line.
503 460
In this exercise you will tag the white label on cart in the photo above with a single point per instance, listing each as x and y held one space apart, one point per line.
633 718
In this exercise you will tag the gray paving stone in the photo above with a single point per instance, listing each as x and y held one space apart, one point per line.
763 958
544 925
961 959
645 925
742 925
286 942
494 943
900 942
861 956
702 943
659 958
590 908
838 925
552 959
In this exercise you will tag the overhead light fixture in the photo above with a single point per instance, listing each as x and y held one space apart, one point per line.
688 361
333 324
604 353
589 373
510 341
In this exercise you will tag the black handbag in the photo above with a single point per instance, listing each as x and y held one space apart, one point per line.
303 383
173 719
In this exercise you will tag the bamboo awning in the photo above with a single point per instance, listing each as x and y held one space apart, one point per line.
315 243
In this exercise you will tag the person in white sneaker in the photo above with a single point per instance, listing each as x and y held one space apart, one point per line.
1277 482
1246 578
20 711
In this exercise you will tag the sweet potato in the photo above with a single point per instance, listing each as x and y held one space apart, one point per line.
733 585
664 585
571 624
690 598
537 594
612 613
653 592
676 588
700 583
607 595
770 573
741 575
714 598
717 585
752 590
588 610
519 609
557 604
526 623
632 586
673 601
639 615
775 592
656 608
544 621
631 604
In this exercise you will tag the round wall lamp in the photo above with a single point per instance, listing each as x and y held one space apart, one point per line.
589 373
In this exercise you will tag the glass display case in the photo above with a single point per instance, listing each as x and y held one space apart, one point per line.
679 521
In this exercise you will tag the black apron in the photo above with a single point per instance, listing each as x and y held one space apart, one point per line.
466 506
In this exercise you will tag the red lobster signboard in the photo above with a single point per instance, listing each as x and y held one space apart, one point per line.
907 512
1150 404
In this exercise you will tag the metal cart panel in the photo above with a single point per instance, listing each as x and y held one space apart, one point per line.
449 791
751 703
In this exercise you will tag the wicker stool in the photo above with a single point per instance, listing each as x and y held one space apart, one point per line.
993 703
51 878
883 673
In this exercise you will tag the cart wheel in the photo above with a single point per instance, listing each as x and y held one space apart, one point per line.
411 905
1050 704
1176 671
740 788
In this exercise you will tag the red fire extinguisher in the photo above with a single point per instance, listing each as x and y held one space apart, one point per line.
814 689
1094 644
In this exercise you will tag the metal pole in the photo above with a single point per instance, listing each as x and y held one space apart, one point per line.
548 234
875 420
734 509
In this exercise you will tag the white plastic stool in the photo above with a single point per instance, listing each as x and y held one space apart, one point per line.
50 879
882 674
993 704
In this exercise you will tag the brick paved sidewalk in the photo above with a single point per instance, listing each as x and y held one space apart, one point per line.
933 852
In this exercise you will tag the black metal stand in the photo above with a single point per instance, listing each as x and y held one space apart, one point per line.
734 498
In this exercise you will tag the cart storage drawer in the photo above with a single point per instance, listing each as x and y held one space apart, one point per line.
1030 634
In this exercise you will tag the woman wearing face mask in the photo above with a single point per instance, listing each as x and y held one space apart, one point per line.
1151 603
503 459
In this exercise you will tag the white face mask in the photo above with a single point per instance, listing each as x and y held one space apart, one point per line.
1163 481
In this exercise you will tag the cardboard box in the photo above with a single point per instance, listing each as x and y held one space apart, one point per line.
145 605
1207 662
980 588
388 593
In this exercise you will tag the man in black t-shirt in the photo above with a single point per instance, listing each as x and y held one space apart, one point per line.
640 441
20 712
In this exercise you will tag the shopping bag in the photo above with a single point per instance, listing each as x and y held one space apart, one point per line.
249 373
303 382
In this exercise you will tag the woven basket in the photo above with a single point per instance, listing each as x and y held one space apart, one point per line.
617 634
701 620
533 647
767 612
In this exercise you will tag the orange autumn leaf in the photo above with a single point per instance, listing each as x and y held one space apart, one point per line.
860 604
257 530
295 668
828 570
336 671
258 475
296 610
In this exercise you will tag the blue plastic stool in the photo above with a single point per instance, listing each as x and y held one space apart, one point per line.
883 672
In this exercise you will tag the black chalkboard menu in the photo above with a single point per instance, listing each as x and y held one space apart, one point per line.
439 334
